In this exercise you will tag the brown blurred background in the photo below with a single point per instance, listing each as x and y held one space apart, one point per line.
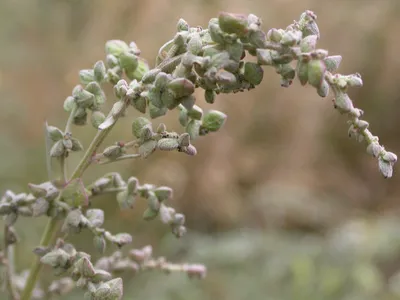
280 204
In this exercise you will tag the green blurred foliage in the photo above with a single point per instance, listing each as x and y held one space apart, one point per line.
279 205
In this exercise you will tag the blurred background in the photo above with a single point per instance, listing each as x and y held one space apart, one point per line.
280 204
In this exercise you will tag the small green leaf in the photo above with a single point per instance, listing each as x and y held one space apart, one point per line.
214 120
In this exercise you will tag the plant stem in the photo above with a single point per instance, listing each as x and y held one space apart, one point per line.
70 119
36 266
9 258
48 235
124 157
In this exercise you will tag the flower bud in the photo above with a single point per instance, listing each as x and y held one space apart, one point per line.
116 288
101 275
169 99
316 72
286 71
264 57
138 124
225 78
102 292
94 88
82 97
253 73
154 96
257 38
209 96
161 80
332 62
189 150
122 239
99 71
195 44
184 140
150 76
213 120
116 47
149 214
58 149
233 23
125 200
323 89
195 113
140 104
302 72
390 157
86 76
196 271
291 38
274 35
156 112
54 133
354 80
385 167
163 193
95 217
182 25
193 128
76 145
37 190
40 207
187 102
99 244
168 144
183 117
113 152
146 133
147 148
69 103
133 47
86 267
141 69
343 102
179 231
362 125
181 87
311 28
308 43
374 149
165 214
114 75
111 61
97 118
216 33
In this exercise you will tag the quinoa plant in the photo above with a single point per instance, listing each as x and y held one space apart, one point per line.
226 57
